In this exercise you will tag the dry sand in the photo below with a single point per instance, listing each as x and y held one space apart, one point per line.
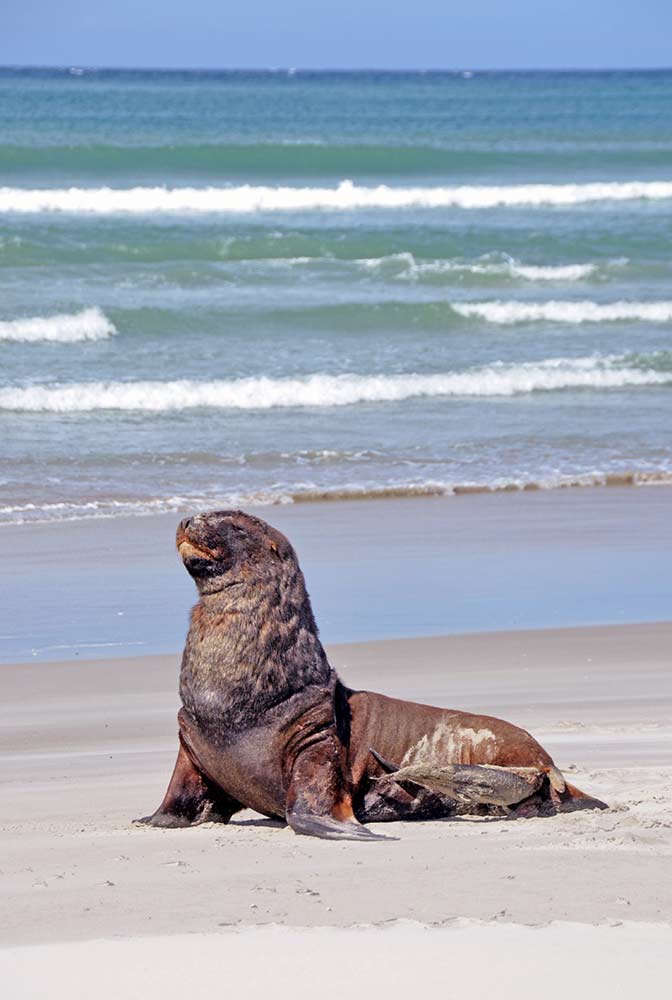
89 745
473 960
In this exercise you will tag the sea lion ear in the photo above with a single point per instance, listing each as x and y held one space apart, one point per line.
274 548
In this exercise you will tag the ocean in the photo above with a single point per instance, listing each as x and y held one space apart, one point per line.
230 288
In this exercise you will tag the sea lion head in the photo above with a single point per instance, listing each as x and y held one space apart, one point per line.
225 546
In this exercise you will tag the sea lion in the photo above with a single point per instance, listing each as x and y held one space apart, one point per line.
267 724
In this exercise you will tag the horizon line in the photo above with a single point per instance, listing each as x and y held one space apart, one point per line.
91 67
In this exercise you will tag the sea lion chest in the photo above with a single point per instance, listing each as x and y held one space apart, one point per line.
246 765
253 761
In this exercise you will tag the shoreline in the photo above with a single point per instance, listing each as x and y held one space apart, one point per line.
378 570
265 499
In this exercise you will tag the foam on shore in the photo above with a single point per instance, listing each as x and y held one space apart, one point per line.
50 512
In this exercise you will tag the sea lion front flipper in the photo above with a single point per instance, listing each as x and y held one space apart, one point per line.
191 799
319 803
328 828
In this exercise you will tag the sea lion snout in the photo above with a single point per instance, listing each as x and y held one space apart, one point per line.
181 534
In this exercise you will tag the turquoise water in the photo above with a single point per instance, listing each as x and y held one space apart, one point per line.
237 287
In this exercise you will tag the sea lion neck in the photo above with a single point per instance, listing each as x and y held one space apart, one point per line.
250 647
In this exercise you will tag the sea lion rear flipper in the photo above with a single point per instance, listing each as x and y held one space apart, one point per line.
480 784
473 783
573 799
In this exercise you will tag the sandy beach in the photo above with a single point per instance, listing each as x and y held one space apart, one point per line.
87 746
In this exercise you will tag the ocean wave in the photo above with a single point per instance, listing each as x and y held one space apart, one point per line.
489 265
346 196
321 390
63 328
21 513
656 477
566 311
557 272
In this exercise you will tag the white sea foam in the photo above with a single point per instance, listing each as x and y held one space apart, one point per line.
344 197
403 261
558 272
488 265
509 267
530 272
321 390
22 513
567 311
107 508
63 328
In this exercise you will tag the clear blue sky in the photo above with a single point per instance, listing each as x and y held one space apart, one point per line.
393 34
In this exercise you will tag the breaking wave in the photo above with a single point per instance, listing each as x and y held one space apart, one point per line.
320 390
489 265
63 328
566 311
559 272
345 196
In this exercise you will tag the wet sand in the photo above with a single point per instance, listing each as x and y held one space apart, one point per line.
375 569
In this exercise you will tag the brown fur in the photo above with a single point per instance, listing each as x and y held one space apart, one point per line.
267 724
253 641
